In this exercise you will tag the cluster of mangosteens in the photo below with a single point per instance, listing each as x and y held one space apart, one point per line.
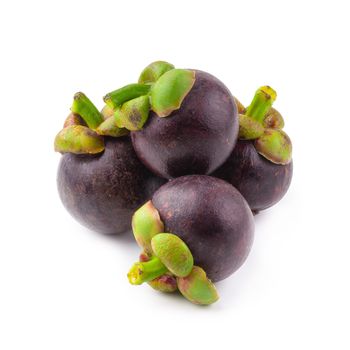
184 164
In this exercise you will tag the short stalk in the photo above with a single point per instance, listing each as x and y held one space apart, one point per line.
261 103
142 272
116 98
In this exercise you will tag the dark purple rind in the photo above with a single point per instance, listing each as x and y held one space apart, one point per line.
261 182
197 138
212 218
102 191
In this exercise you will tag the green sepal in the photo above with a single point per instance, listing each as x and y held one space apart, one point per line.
166 283
197 288
133 114
107 112
73 119
154 71
249 128
273 119
173 253
146 223
116 98
109 128
170 89
87 110
275 145
78 139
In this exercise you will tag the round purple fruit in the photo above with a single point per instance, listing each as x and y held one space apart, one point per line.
260 166
214 230
100 179
192 126
261 182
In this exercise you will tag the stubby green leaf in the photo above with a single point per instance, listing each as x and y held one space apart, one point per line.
249 128
109 128
273 119
73 119
165 283
117 97
146 223
133 114
197 288
173 253
170 89
275 145
78 139
107 112
154 71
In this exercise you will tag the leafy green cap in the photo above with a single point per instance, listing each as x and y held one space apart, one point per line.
78 139
170 89
154 71
173 253
197 288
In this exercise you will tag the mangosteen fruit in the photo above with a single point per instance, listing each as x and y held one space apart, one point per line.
187 125
100 179
197 228
260 166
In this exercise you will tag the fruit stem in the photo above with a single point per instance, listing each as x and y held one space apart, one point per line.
142 272
261 103
116 98
87 110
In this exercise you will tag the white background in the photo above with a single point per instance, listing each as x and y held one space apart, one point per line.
64 287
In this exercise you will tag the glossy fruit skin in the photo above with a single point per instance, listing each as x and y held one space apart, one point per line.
195 139
261 182
211 217
102 191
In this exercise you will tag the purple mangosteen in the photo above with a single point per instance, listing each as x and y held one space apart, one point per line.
100 179
260 166
214 230
192 125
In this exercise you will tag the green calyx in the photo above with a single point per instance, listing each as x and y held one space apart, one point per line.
109 128
166 283
133 114
166 262
197 288
167 251
263 123
275 145
73 119
146 223
170 89
116 98
87 110
249 128
107 112
78 139
173 253
273 119
154 71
